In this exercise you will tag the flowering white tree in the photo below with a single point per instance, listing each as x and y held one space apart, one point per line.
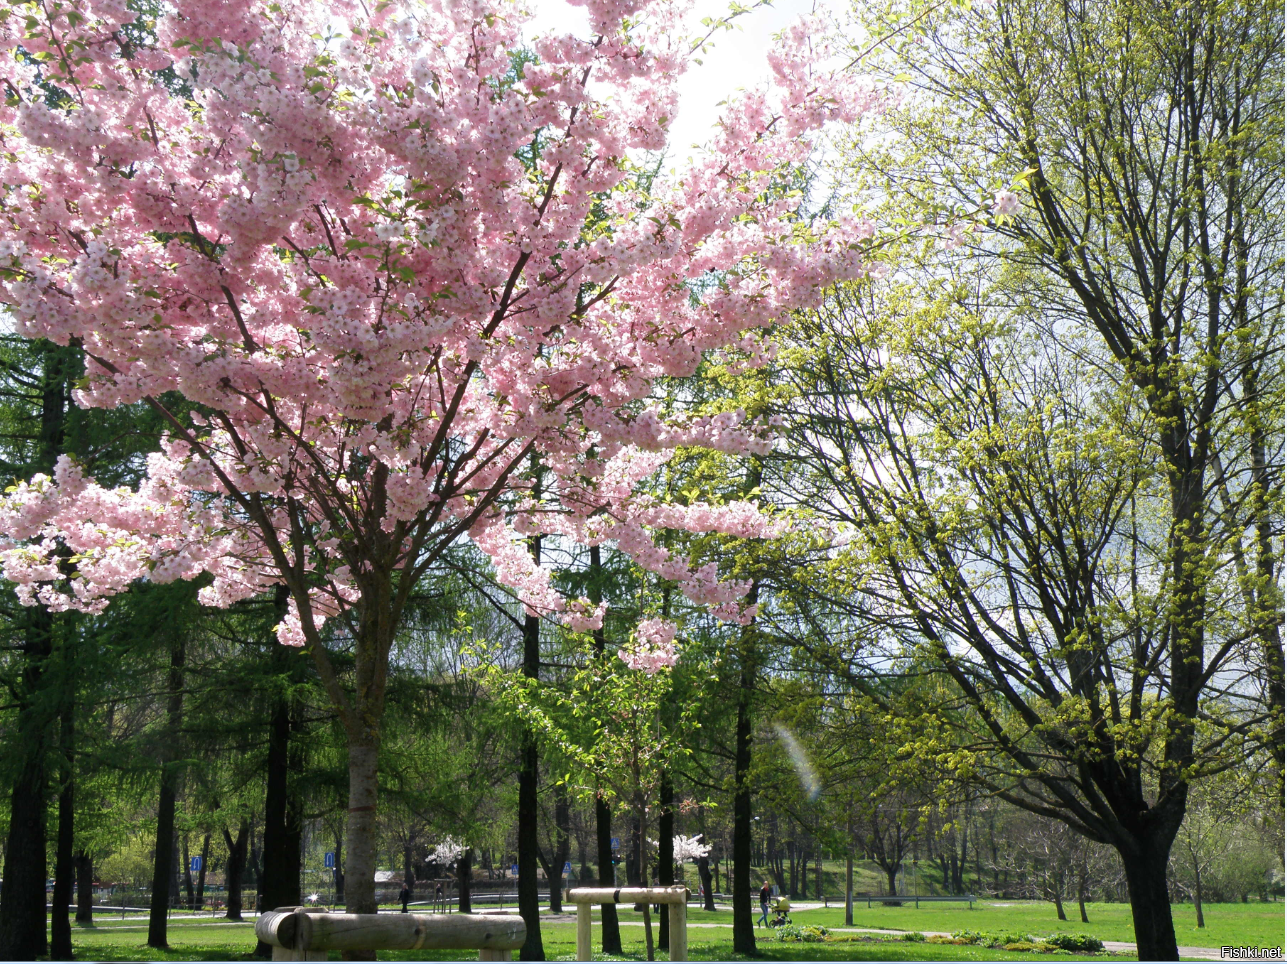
389 269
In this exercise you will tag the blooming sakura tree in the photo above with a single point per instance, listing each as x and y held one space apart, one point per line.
389 271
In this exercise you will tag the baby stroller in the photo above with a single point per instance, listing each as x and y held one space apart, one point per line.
782 908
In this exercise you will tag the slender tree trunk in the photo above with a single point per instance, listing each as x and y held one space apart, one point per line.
464 877
607 870
1059 905
235 868
603 812
163 865
201 872
338 877
849 865
665 854
1150 904
185 863
529 899
60 946
84 888
743 916
1197 893
562 847
891 872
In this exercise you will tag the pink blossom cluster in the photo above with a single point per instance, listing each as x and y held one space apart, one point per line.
336 251
653 647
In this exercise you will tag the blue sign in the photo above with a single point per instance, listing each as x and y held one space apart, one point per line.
516 870
567 867
616 843
196 864
329 860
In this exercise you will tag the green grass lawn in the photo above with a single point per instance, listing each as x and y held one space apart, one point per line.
1254 924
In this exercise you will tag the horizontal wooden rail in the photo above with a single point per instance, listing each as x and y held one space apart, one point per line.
676 897
299 934
629 895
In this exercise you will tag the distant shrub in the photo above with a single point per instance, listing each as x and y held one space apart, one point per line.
1021 946
797 933
916 936
1075 942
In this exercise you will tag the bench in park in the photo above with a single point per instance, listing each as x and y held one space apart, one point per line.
307 934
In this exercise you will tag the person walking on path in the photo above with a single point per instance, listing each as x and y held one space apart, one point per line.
404 896
765 893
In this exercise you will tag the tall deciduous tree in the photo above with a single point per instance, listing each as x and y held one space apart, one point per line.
336 251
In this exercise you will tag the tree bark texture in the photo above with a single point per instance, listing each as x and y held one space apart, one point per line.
665 854
163 877
743 917
60 946
84 888
235 868
529 906
607 870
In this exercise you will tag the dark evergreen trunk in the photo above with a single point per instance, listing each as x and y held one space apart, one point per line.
562 847
529 898
743 915
235 868
185 865
163 877
84 888
337 878
201 873
22 898
665 854
602 812
60 946
464 874
607 870
283 825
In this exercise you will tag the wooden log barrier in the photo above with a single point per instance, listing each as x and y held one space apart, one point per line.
676 897
299 934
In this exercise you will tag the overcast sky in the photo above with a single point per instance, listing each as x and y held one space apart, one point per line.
738 59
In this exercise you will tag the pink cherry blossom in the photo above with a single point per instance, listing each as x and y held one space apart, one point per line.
1005 203
653 647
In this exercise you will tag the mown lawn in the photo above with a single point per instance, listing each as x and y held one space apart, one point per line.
1233 924
1252 924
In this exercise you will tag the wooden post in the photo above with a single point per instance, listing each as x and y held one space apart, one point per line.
583 932
678 931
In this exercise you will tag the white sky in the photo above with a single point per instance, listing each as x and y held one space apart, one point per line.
737 60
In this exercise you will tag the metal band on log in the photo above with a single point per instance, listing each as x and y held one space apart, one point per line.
303 934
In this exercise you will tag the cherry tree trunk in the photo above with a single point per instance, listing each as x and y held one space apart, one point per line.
361 828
